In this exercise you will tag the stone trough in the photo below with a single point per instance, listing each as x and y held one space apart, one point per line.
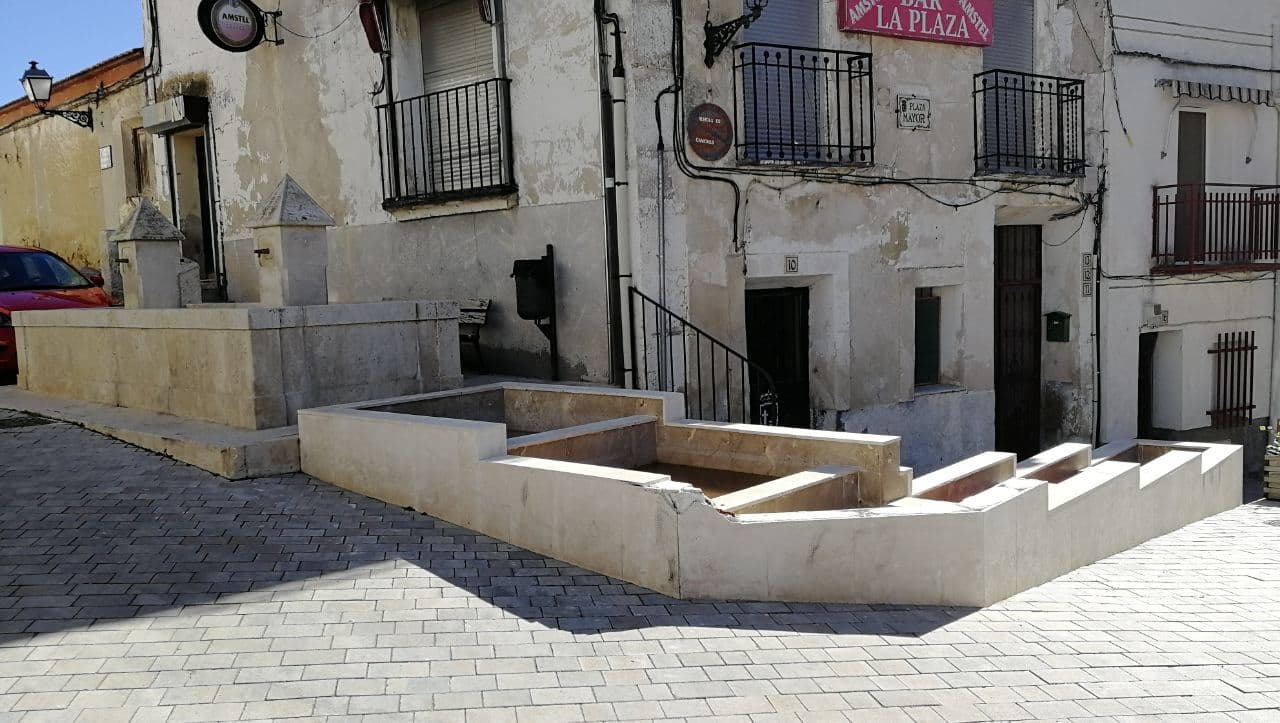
616 482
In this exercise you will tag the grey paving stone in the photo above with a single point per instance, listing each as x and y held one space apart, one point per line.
132 587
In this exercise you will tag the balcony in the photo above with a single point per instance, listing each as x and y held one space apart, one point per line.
448 145
1215 224
803 106
1028 124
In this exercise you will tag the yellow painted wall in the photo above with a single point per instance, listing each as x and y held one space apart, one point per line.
53 193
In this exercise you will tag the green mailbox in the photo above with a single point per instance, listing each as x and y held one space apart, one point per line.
1058 326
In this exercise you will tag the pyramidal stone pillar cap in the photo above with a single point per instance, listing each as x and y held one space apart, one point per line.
147 223
290 205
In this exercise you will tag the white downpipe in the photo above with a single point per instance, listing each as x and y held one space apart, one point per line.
1274 411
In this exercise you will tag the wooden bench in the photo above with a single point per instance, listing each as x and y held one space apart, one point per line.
474 315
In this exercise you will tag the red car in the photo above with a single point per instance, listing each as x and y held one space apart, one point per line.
32 279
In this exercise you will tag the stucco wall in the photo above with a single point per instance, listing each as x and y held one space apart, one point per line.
53 193
1242 147
306 108
863 249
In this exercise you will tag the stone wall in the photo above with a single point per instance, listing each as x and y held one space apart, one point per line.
245 367
1013 533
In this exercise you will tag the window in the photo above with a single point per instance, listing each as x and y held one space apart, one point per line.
796 102
928 337
453 140
457 45
1189 241
1025 123
140 181
22 270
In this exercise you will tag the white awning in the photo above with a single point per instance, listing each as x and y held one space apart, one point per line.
1214 91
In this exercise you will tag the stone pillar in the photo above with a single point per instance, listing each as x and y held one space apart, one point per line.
150 251
291 239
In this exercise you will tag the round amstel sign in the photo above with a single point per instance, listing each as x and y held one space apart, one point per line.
710 132
234 25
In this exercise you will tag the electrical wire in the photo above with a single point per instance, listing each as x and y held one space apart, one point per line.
1115 48
1215 277
859 177
1198 63
331 31
1074 234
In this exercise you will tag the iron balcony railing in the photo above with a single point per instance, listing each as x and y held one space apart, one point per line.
1208 224
445 145
670 354
1028 124
803 105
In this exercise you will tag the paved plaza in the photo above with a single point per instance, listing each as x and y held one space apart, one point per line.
136 588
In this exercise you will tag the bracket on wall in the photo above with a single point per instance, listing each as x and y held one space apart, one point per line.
82 118
719 36
273 16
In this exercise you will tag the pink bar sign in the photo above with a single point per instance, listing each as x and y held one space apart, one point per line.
960 22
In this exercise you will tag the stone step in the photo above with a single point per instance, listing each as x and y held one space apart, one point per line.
225 451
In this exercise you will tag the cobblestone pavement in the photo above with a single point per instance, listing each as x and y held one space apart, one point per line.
136 588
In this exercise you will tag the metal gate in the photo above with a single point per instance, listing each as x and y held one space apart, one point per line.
1233 380
1018 328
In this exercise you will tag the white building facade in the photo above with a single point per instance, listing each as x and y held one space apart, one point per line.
1189 289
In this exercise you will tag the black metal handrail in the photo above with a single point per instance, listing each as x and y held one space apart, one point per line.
1028 124
683 358
803 105
453 143
1201 224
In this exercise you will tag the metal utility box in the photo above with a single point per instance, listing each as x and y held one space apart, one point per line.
1058 326
535 288
536 299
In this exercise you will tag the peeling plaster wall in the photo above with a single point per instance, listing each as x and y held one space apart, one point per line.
53 193
1206 39
305 108
863 249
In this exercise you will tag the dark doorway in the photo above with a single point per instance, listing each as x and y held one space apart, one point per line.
778 340
195 207
1146 385
207 266
1018 329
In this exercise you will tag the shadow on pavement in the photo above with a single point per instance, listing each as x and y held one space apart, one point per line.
94 530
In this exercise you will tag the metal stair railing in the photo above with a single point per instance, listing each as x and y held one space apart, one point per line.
671 354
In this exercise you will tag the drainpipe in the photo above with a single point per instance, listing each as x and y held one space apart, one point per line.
613 123
1274 411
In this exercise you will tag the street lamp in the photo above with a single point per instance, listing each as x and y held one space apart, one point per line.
38 85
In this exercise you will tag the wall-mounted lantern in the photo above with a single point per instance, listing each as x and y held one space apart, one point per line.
38 85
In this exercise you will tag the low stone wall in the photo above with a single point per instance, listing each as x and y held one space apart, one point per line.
780 451
644 528
242 366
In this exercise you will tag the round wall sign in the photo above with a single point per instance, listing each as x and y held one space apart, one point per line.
710 132
234 25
